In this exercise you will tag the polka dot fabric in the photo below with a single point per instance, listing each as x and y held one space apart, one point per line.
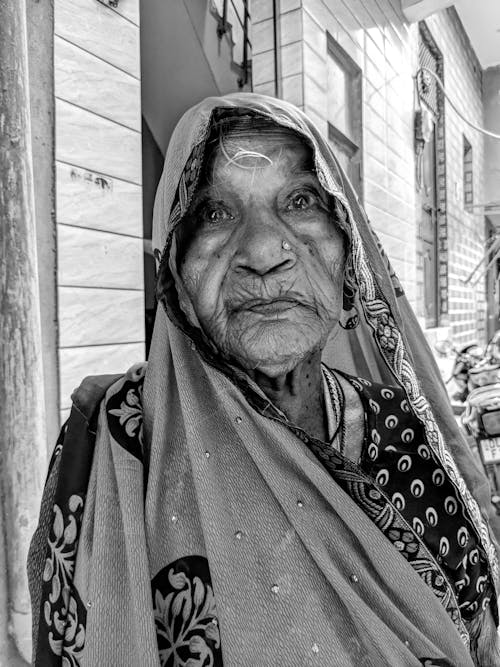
404 467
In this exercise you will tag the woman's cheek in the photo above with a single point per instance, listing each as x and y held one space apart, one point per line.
208 288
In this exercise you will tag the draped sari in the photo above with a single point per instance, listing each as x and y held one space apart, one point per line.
186 522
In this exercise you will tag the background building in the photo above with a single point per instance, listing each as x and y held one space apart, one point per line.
106 82
352 67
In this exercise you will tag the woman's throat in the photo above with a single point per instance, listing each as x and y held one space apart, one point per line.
298 394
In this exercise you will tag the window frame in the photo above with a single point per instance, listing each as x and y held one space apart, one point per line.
352 146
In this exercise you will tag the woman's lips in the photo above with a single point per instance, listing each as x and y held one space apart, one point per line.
270 306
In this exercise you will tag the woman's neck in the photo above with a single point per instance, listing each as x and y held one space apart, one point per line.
298 394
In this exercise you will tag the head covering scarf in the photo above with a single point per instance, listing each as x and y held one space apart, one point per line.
210 534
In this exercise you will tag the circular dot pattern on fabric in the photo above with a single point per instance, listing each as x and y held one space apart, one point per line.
404 463
444 546
438 477
391 421
405 468
417 488
424 452
382 477
450 505
407 435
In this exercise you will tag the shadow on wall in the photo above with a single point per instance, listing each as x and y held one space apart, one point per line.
183 60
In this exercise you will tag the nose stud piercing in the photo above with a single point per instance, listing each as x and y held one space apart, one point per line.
285 245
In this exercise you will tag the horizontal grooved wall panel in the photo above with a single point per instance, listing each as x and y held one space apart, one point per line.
99 30
90 316
98 193
90 199
89 258
77 363
81 78
96 143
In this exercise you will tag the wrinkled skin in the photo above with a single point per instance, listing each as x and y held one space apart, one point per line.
268 308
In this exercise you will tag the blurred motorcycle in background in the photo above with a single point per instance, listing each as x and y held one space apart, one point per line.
476 374
466 358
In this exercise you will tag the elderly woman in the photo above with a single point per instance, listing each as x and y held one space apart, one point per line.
237 501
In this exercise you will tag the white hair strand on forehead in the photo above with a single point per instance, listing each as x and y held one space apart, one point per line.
241 154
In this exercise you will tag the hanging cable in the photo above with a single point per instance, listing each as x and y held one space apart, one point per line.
453 105
493 251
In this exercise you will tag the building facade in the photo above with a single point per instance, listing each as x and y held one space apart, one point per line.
355 70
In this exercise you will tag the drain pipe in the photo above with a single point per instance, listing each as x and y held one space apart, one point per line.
277 44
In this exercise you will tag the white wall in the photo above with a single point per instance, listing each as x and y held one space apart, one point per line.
99 191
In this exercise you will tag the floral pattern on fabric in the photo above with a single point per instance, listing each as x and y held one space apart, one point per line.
63 611
187 629
125 420
63 615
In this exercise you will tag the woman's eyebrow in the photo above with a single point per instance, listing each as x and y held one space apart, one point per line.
206 190
307 172
303 167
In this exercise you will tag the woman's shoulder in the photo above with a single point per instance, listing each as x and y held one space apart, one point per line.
124 412
87 397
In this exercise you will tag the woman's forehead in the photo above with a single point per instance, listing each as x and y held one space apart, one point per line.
281 151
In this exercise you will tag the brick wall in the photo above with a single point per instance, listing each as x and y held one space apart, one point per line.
466 230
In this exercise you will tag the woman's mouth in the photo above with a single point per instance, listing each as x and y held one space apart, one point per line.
269 306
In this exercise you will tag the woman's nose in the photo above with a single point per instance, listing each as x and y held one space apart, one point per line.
264 246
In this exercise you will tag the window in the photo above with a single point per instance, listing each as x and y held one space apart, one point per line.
344 111
468 175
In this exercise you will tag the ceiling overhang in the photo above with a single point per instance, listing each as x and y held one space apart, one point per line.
417 10
481 21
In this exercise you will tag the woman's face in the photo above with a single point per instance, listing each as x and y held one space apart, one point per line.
261 261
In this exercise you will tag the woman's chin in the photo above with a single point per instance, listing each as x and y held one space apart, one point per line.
273 360
273 349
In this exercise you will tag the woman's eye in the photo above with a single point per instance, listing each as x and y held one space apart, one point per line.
302 201
216 214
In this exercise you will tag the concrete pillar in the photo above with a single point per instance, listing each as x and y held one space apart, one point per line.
22 427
